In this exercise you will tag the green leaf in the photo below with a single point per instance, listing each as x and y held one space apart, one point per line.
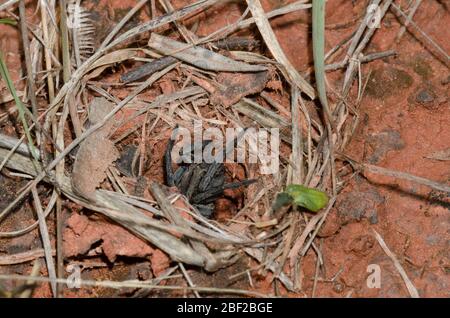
8 21
311 199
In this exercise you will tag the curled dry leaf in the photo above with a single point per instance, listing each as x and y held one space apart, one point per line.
96 152
235 86
200 57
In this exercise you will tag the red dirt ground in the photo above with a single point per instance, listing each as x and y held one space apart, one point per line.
405 118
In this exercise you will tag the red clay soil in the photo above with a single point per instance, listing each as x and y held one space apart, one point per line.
405 119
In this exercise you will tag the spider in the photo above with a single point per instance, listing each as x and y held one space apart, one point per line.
202 183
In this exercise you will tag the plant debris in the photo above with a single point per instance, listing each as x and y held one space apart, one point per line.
96 152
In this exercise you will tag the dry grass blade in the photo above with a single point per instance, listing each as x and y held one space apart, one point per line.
139 284
78 140
45 240
409 285
198 56
297 142
35 271
437 48
65 41
156 232
31 227
410 17
21 257
358 44
272 43
398 174
8 4
402 175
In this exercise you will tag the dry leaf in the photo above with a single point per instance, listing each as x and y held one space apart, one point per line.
235 86
96 152
109 59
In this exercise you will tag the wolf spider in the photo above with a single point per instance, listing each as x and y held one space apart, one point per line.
202 183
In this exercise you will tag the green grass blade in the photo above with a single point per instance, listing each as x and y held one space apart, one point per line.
4 73
8 21
318 28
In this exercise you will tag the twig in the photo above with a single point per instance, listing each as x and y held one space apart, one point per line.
358 46
8 4
23 257
45 240
365 59
444 56
34 273
410 17
297 140
316 277
122 22
188 278
65 41
402 175
138 284
409 285
31 227
47 51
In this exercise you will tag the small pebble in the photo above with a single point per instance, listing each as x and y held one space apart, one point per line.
424 96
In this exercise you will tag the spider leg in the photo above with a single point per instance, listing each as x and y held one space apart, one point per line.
210 174
213 193
205 210
195 180
218 180
186 178
168 164
208 196
178 175
234 185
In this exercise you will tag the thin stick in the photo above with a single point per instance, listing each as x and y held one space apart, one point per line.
122 22
444 54
409 285
410 17
137 284
45 240
297 142
23 257
365 59
77 141
65 41
31 227
48 60
34 273
8 4
188 279
402 175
